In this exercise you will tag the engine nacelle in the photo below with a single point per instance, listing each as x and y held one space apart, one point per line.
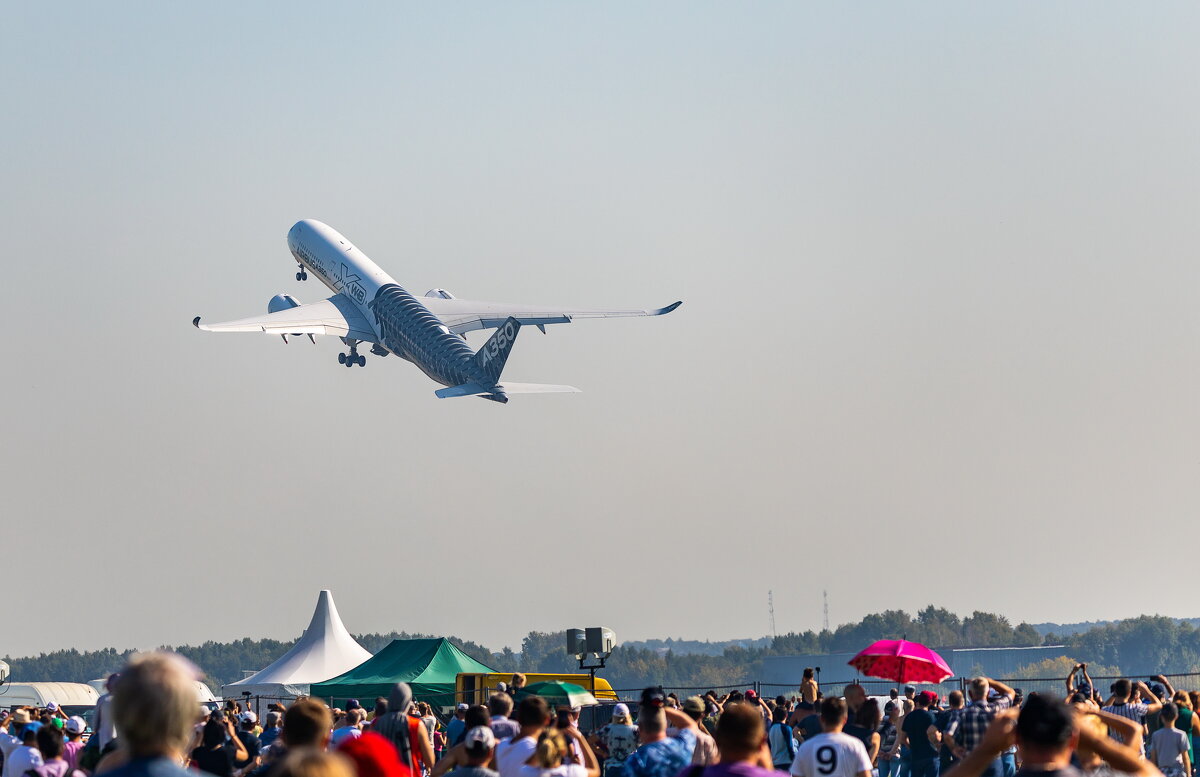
282 302
440 294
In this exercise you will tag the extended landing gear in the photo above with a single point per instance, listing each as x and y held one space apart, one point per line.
302 275
352 358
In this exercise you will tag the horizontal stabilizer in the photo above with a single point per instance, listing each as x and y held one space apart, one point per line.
463 390
535 388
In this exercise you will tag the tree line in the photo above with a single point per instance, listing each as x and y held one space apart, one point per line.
1137 647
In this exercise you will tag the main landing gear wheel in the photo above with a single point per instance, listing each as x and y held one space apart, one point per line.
302 275
353 358
341 358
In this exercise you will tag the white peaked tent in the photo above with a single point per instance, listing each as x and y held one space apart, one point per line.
325 650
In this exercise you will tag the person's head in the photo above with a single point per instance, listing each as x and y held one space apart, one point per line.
1182 699
869 715
739 732
893 694
381 706
460 711
652 723
313 762
923 700
1167 714
74 727
1121 688
956 699
49 742
478 743
533 712
154 704
213 734
373 756
978 688
833 714
779 715
621 714
892 710
855 695
694 706
476 715
910 692
306 724
273 719
248 720
551 747
500 705
1046 732
808 673
353 717
518 680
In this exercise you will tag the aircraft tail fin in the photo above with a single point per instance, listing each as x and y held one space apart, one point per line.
491 357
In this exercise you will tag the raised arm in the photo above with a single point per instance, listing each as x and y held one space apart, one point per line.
1002 689
1071 681
1152 706
678 719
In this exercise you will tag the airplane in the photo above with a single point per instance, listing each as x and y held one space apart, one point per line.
368 306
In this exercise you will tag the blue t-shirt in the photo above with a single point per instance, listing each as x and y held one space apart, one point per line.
268 736
663 758
455 730
916 724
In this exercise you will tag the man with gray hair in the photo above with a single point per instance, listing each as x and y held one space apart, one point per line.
154 708
988 698
500 707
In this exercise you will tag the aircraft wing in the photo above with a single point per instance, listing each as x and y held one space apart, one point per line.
462 315
334 316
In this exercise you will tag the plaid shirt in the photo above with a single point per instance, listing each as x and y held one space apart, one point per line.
968 728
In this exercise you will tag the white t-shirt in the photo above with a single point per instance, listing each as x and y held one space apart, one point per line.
21 760
511 755
567 770
831 755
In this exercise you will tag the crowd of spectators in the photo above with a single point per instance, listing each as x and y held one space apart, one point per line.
149 725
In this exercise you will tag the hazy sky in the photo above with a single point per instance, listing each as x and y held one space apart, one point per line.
939 340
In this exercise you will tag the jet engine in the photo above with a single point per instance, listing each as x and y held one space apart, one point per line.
282 302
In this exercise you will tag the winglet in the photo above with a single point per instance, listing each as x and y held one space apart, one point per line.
667 309
196 322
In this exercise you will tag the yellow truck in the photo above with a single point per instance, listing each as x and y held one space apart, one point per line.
474 688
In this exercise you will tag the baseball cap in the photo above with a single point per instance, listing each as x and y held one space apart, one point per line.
621 709
353 705
909 689
751 694
52 706
693 704
75 725
481 735
57 723
928 697
248 717
462 705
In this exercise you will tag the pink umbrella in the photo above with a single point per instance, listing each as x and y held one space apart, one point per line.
902 661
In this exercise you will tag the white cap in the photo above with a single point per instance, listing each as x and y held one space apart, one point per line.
621 709
52 706
482 735
462 706
75 725
248 717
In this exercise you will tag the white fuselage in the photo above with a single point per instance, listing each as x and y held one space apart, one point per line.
340 265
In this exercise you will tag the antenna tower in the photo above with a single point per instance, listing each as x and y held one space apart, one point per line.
825 597
771 611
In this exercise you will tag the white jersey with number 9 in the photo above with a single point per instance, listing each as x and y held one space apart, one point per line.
831 755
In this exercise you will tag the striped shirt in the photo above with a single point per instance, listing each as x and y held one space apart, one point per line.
1134 712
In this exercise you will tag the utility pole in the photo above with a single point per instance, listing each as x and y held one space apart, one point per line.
771 611
825 597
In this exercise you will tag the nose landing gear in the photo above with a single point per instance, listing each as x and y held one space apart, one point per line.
302 275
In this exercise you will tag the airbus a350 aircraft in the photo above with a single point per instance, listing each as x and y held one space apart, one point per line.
369 307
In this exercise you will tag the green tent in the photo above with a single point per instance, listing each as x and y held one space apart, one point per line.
430 666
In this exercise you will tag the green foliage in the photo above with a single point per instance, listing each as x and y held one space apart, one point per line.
1138 647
